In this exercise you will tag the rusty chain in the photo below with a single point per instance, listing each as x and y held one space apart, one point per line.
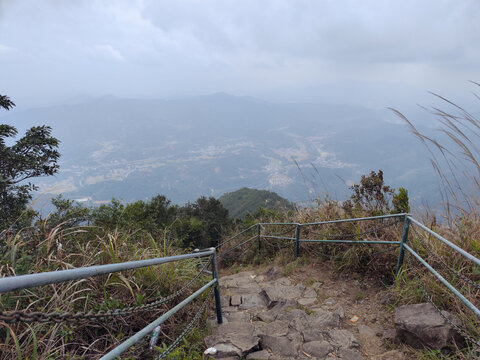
42 317
191 325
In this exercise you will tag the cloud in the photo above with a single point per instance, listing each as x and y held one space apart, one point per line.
261 48
109 52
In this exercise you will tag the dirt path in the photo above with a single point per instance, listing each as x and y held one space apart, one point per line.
308 313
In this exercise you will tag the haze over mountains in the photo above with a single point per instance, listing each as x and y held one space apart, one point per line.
208 145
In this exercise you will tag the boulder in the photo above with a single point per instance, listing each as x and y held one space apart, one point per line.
275 328
343 339
346 354
259 355
251 300
421 325
312 335
323 318
279 345
318 349
233 338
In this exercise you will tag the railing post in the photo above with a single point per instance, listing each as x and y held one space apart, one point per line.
297 241
401 254
216 289
259 233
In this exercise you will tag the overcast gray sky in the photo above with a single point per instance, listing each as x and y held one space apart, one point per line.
379 53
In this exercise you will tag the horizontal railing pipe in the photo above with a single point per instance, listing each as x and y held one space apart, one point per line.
351 241
472 307
120 349
277 237
267 224
355 219
32 280
445 241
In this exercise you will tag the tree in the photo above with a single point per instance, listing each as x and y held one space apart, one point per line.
373 197
203 223
33 155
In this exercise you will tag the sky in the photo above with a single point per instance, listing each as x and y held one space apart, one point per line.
375 53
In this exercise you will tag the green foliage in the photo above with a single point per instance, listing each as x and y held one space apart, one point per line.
247 201
207 221
196 225
67 213
400 201
33 155
372 197
150 216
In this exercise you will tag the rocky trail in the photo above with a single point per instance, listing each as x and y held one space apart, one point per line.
310 314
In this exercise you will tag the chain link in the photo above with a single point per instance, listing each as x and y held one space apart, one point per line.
430 300
236 246
42 317
278 247
191 325
450 270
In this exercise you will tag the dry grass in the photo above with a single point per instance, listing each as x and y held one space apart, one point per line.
40 249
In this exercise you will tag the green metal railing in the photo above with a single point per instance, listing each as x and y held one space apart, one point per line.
14 283
293 235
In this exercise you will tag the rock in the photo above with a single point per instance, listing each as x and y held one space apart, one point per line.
259 355
279 345
389 335
276 328
260 278
309 293
312 335
237 316
234 335
323 318
317 348
339 311
273 313
227 349
235 300
296 319
330 301
251 300
346 354
273 273
379 330
283 281
271 296
421 325
306 301
343 339
390 355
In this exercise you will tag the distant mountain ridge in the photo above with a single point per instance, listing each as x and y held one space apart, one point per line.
209 145
243 201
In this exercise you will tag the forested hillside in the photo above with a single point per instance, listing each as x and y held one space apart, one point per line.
245 200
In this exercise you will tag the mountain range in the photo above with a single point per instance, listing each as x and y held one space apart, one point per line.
208 145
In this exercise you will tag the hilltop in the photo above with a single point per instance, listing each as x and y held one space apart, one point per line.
245 200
